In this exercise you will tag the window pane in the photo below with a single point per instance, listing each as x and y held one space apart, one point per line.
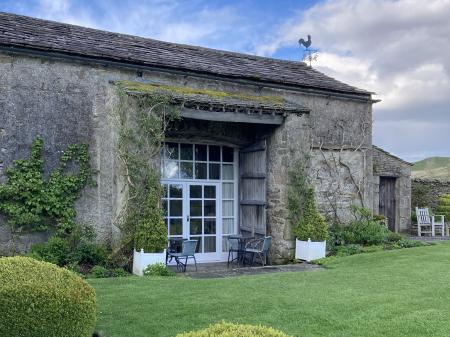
186 152
171 150
228 190
210 244
210 226
200 170
228 226
214 153
227 208
227 154
199 243
170 169
176 191
214 171
225 244
210 208
200 152
186 170
228 172
164 191
176 208
164 206
196 191
210 192
196 226
176 227
196 208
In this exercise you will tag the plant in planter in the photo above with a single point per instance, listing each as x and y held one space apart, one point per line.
311 231
151 231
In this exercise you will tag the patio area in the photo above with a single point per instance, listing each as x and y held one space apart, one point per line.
220 270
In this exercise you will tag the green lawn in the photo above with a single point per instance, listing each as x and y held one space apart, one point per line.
391 293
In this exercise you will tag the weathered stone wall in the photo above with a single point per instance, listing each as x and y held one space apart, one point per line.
387 165
426 192
71 102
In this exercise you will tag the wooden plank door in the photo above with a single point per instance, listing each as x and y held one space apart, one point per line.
387 201
252 189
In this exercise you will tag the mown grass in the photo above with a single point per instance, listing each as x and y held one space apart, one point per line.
391 293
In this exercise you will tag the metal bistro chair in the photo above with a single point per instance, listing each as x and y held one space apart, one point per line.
259 248
187 252
175 246
234 247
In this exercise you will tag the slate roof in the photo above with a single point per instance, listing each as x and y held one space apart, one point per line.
31 33
376 148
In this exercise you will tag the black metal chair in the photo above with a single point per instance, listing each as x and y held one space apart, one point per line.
187 252
234 247
175 246
259 248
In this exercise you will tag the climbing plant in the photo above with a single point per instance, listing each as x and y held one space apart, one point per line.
298 190
33 203
142 121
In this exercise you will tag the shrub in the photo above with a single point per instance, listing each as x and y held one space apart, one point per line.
364 229
394 237
312 225
99 272
347 250
225 329
443 207
40 299
89 253
403 243
55 250
151 229
158 269
119 272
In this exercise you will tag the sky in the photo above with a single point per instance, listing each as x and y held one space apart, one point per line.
399 49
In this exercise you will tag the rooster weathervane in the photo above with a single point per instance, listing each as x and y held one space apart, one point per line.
308 54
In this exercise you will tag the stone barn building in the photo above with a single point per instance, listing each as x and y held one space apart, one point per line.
245 121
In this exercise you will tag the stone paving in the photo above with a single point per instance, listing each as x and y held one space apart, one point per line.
430 238
220 270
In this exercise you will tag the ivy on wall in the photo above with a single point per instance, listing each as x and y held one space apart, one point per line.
142 121
33 203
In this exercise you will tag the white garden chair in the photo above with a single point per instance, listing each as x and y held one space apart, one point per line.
427 224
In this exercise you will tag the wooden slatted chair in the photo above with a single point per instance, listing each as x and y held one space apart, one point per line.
427 224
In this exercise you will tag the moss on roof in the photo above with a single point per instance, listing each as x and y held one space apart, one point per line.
140 87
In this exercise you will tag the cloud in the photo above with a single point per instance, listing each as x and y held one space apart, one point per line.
398 49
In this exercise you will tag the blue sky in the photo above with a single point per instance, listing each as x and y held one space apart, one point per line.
399 49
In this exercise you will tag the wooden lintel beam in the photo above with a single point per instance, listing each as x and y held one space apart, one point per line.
236 117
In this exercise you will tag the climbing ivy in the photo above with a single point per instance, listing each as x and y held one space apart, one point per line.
33 203
142 121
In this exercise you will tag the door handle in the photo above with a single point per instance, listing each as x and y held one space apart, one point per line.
187 217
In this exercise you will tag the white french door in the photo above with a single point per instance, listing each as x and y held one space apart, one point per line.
193 211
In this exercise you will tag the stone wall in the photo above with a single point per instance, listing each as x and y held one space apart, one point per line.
426 192
387 165
69 102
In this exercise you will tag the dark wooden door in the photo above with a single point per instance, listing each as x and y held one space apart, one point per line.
252 189
387 200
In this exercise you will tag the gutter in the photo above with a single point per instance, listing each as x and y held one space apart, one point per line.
135 66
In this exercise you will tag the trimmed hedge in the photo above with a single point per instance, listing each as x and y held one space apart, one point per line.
225 329
40 299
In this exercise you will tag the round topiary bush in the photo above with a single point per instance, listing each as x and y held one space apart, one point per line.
225 329
40 299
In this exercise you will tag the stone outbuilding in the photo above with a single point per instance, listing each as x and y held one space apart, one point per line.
392 189
246 120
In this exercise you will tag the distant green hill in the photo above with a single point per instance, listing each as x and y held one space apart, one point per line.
434 167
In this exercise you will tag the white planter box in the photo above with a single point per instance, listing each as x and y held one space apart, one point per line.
141 260
310 250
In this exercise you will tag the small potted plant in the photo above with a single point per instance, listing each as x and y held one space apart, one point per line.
311 231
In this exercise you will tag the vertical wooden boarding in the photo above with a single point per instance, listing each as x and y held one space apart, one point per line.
252 189
387 200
